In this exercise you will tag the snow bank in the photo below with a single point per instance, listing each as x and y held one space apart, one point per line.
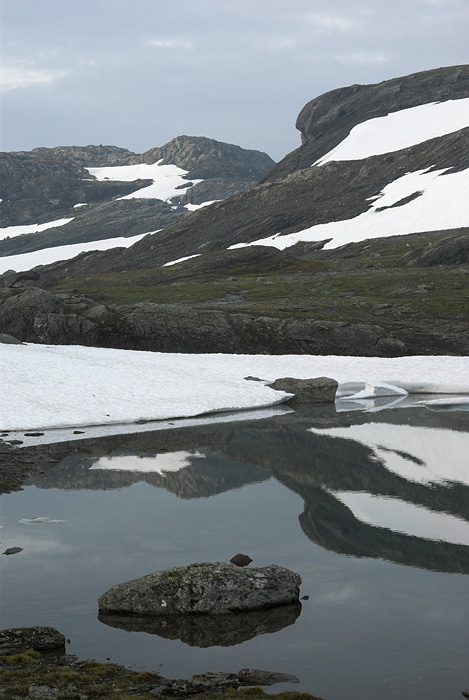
13 231
194 207
46 256
401 129
168 180
442 203
188 257
62 386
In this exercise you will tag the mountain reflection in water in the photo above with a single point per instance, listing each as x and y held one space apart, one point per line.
409 455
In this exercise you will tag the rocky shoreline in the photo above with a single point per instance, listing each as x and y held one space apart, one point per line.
35 665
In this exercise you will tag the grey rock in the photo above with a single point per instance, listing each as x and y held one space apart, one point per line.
9 339
212 588
241 560
210 681
43 639
253 676
42 692
317 390
208 630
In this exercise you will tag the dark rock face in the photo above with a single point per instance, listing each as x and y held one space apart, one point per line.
317 390
34 315
42 639
327 120
207 589
453 250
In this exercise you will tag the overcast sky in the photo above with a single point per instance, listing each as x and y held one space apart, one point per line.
137 73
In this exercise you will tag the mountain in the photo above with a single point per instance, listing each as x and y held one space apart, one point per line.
356 243
71 195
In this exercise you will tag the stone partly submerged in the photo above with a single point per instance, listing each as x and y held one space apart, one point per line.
315 390
42 639
212 588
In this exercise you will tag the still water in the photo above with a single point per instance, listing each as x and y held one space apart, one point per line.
371 509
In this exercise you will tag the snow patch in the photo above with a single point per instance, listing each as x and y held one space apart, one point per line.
401 129
442 203
168 180
13 231
194 207
46 256
53 386
188 257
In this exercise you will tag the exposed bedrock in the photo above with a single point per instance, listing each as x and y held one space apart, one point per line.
208 588
328 119
34 315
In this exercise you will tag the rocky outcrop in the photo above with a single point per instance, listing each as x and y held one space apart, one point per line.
204 589
42 639
325 121
316 390
34 315
453 250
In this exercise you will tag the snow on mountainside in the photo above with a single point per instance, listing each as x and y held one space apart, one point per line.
168 180
417 202
105 192
401 129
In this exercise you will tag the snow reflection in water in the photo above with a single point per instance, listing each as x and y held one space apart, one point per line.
206 494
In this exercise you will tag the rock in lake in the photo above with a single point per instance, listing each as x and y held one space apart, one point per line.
212 588
43 639
254 676
241 560
316 390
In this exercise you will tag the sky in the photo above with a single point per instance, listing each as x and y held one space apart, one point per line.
137 73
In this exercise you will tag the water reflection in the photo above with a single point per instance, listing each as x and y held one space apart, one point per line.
408 463
208 630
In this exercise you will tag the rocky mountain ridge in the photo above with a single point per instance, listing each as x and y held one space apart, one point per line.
411 287
47 184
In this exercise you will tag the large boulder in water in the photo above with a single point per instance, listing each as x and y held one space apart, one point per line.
207 588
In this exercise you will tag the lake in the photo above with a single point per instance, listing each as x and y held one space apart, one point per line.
370 508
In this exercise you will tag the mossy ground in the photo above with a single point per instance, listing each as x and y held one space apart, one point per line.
92 679
377 284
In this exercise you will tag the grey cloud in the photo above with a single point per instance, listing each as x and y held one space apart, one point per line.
137 73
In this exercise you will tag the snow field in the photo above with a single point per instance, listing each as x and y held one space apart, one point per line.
401 129
442 203
62 386
168 180
46 256
13 231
